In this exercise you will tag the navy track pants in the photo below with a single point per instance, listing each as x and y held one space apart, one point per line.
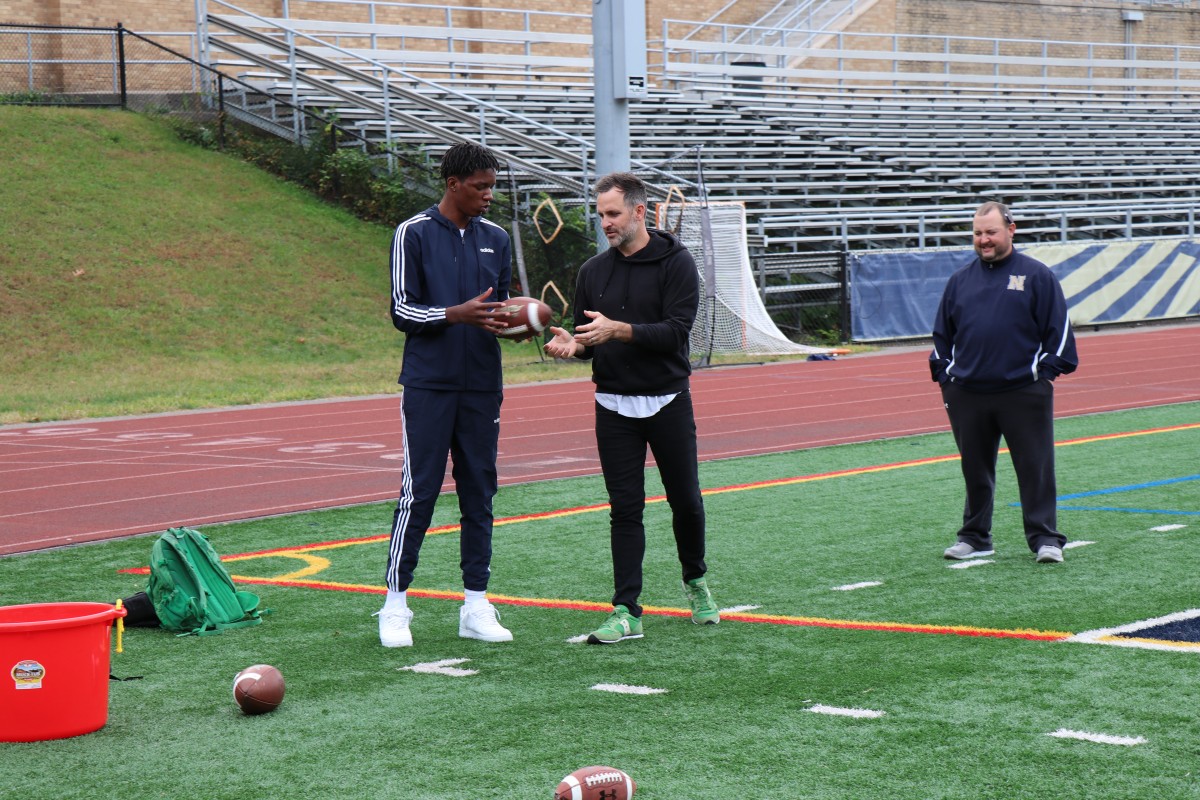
465 425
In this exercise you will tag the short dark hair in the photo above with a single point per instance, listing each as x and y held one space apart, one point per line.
993 205
465 159
627 183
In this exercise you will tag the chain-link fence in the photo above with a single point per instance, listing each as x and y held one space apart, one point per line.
90 66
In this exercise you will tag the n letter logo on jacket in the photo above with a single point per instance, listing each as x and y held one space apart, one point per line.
1016 283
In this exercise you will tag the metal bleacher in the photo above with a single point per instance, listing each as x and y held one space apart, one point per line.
820 162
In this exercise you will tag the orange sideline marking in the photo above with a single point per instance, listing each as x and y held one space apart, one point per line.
739 487
291 579
665 611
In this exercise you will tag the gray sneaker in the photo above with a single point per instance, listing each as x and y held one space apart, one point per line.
962 550
1049 554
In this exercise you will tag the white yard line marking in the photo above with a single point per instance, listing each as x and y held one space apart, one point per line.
580 639
621 688
1080 543
976 562
850 587
739 609
1102 738
1164 528
859 713
444 667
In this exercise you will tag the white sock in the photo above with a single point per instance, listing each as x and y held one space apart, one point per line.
396 601
473 598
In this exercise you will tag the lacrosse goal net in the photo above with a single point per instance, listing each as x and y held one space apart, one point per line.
732 317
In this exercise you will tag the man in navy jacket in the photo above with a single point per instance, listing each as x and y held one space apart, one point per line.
1000 338
450 268
635 305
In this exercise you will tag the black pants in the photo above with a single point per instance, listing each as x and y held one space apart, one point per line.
622 442
1025 418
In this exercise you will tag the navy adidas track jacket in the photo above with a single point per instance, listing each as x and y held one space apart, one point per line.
1002 326
434 267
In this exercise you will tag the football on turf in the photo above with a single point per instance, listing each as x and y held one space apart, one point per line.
523 317
595 783
258 689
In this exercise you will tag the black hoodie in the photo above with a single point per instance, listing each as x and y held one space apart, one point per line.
657 291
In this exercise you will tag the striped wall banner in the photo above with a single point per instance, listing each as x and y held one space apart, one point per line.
1126 281
895 294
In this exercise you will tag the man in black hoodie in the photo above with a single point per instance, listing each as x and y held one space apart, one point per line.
635 305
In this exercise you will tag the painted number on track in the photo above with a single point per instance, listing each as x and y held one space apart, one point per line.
146 436
331 447
47 432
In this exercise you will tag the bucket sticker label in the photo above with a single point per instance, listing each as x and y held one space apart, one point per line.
28 674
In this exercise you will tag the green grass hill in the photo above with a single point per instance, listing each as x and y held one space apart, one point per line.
141 273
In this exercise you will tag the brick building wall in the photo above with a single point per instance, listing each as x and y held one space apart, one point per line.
1071 20
1060 20
1162 28
1066 20
179 15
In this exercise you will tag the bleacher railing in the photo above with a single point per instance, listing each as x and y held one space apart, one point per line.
62 61
740 55
814 15
306 55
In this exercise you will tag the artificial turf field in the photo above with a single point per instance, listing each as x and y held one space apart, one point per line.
859 663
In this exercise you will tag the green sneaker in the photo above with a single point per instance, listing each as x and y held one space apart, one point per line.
704 610
619 626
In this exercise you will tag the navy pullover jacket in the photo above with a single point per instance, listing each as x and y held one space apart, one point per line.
657 291
1002 326
434 267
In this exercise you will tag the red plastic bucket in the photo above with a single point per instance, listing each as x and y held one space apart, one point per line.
54 669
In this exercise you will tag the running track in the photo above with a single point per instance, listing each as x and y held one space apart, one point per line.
98 479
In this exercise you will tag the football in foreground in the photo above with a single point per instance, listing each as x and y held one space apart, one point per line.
595 783
258 689
523 317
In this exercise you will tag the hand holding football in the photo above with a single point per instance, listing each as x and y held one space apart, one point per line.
258 689
523 317
595 783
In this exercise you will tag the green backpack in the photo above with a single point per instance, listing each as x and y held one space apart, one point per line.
192 591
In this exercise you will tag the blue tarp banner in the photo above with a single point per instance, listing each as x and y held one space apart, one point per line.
895 295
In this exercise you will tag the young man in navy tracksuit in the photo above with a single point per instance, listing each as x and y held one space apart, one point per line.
1000 338
635 305
450 268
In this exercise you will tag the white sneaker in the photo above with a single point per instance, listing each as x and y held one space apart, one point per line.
962 550
393 627
482 622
